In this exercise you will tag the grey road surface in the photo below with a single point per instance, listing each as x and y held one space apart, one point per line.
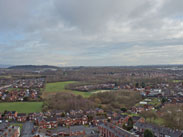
27 129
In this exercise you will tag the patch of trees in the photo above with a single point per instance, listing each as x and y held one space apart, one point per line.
148 133
115 100
129 124
67 101
173 116
100 75
151 115
137 85
112 101
91 87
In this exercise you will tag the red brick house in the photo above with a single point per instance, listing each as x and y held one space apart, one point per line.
31 116
67 121
21 117
10 115
120 120
50 122
110 130
138 119
98 119
84 120
138 109
12 131
99 111
73 120
76 133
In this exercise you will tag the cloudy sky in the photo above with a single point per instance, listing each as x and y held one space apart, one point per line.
91 32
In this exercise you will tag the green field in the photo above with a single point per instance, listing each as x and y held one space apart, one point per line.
60 87
22 107
57 86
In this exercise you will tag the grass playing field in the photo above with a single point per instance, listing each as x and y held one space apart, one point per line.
60 87
21 107
57 86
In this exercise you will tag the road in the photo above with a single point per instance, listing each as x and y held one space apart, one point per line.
5 87
27 129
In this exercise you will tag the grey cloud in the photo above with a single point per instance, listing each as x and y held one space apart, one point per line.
16 13
172 8
94 15
93 32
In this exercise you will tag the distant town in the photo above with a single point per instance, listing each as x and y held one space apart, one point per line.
49 101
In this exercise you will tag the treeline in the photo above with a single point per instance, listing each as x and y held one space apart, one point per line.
91 87
102 75
97 75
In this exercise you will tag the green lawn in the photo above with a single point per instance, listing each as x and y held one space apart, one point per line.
155 102
60 87
21 107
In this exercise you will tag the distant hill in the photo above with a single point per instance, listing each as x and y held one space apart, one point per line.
4 66
33 67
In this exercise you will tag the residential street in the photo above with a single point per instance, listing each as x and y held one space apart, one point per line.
27 129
